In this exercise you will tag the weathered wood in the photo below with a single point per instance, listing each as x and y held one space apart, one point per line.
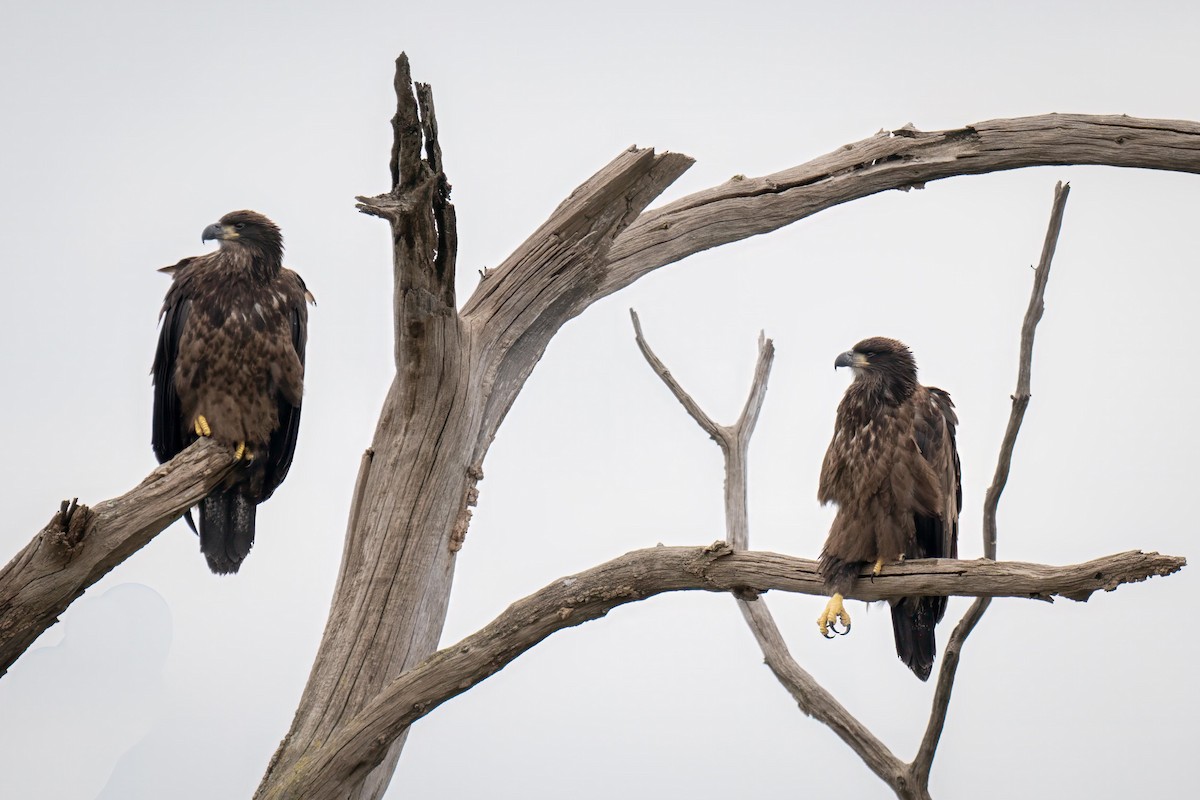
81 544
457 376
901 159
553 276
394 585
331 770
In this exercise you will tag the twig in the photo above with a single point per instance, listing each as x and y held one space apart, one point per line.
722 435
1020 399
923 762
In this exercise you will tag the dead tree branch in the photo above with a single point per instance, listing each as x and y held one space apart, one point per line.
923 762
903 159
362 741
81 544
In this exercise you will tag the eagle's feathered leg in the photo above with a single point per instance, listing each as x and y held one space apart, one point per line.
834 611
202 428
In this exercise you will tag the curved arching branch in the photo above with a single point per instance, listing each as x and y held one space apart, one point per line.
331 770
902 159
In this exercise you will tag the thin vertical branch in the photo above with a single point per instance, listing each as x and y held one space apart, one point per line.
1020 400
812 698
923 762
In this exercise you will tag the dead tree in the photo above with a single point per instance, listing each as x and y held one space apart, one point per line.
458 371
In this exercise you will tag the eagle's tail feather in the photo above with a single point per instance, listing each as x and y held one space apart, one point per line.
226 529
913 622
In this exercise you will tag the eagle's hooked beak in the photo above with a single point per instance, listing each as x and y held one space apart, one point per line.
850 359
218 231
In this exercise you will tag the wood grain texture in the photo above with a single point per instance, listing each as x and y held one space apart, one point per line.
81 544
903 159
354 749
394 584
457 376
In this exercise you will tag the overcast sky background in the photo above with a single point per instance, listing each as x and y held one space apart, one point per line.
130 126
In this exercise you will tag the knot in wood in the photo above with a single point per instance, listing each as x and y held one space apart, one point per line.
69 525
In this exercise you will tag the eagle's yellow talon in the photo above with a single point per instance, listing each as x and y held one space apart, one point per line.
834 611
243 452
878 567
201 426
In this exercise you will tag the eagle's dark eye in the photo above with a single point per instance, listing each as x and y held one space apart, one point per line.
240 225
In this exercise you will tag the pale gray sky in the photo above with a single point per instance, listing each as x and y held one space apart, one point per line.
130 126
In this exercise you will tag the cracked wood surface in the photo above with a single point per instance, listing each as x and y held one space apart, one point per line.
81 544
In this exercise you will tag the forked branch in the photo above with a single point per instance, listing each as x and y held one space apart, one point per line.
813 699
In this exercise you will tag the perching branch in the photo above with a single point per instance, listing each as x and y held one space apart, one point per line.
923 762
359 744
81 544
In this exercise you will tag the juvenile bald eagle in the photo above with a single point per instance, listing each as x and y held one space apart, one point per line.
230 364
892 469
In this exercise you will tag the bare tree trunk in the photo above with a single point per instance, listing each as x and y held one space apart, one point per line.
457 376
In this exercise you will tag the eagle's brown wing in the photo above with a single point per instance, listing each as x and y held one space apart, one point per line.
934 430
936 528
282 446
168 429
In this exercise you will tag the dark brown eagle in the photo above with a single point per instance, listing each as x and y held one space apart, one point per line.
892 469
230 364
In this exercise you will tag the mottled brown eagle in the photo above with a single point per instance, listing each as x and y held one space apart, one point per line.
230 364
892 469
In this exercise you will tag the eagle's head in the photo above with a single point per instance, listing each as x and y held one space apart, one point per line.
881 360
249 230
